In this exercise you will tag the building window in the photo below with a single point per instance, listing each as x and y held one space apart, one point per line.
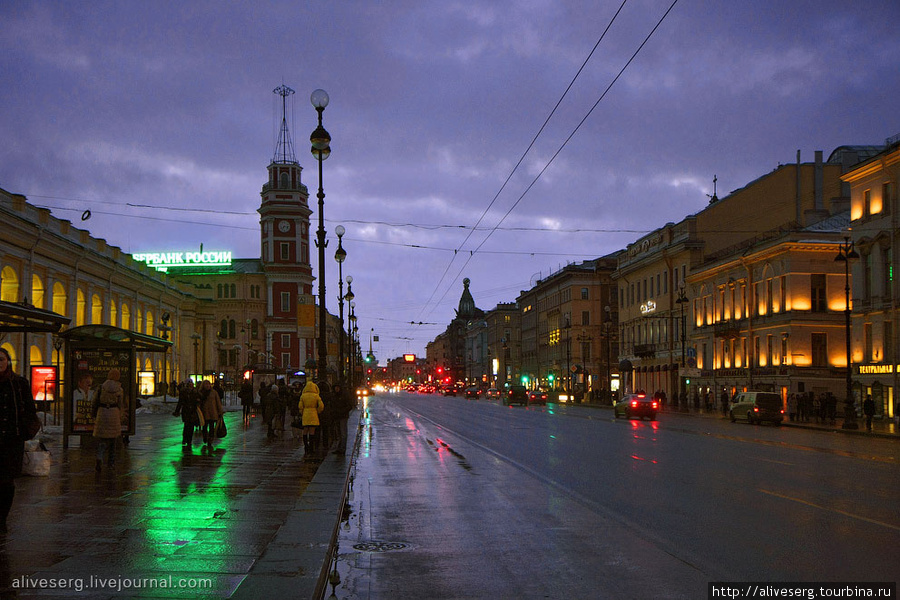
819 350
219 291
231 330
233 290
887 260
887 197
817 294
867 202
585 317
254 329
584 294
867 341
285 302
887 342
285 248
223 330
867 276
285 340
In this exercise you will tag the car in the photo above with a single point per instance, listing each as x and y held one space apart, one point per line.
493 393
757 407
516 394
537 397
637 405
450 390
473 392
363 391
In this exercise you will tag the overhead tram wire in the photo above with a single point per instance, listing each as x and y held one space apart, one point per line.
563 145
519 163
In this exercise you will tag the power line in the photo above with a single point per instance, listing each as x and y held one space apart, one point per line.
565 142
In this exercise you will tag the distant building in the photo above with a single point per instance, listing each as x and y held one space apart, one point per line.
448 351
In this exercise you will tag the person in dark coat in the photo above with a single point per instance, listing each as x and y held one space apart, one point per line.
17 409
246 396
343 405
188 402
869 411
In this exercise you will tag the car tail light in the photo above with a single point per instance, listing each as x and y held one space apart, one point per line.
634 403
755 409
654 405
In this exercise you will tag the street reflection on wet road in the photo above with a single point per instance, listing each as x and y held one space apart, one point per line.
195 513
566 501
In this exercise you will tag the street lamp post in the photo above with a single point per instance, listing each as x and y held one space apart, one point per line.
340 255
352 342
568 359
321 149
681 301
196 337
348 297
846 253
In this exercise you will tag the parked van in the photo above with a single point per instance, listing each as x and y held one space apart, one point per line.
757 407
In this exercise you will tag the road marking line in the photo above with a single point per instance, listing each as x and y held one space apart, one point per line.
846 514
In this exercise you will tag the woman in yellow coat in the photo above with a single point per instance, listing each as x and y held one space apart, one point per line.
310 406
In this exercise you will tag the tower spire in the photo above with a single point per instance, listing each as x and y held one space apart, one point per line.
284 148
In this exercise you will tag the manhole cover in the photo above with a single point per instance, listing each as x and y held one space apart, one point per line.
380 546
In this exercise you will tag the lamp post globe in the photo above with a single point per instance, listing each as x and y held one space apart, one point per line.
321 149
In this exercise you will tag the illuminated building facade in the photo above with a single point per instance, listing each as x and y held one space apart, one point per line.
875 222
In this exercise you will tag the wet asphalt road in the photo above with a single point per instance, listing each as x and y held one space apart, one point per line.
455 498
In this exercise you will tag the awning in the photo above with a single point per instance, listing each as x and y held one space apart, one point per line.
27 318
107 335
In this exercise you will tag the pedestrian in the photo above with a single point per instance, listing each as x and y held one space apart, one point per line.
109 408
869 411
311 405
281 404
792 406
211 407
327 421
246 396
343 405
724 400
296 392
18 423
220 390
270 407
188 402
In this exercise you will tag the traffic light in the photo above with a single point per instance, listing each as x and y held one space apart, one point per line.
551 377
440 370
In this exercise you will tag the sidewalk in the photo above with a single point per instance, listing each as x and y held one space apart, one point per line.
250 518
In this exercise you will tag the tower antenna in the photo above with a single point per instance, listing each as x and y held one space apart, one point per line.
284 149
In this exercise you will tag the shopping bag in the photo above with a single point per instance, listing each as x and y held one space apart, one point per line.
200 420
221 430
36 462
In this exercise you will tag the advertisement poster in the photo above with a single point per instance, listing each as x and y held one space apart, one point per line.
146 383
90 368
43 385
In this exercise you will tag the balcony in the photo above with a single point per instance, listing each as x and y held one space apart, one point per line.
728 329
645 350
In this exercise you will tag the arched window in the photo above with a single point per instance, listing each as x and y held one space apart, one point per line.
37 291
9 285
96 310
231 332
80 309
126 317
223 330
59 299
219 291
233 291
35 357
150 324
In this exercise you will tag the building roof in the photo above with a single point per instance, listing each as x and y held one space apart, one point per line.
25 317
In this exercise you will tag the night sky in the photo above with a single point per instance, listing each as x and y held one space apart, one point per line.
160 118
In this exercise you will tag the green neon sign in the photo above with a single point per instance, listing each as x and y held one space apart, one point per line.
162 261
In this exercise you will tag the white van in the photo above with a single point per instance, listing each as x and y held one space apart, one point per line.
757 407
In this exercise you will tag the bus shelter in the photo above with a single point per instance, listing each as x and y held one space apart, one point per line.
92 352
26 319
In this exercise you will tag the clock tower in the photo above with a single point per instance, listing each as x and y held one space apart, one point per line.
284 235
